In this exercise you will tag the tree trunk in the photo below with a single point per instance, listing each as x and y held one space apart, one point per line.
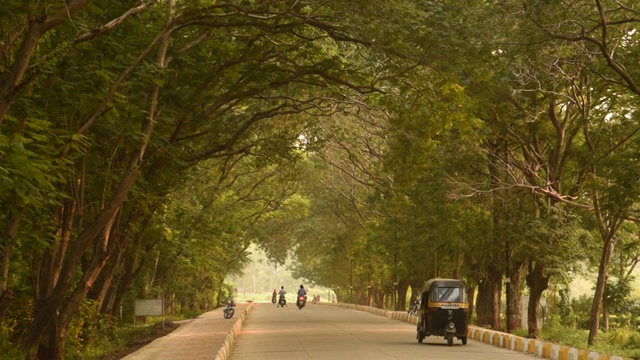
64 279
605 315
50 348
105 290
101 288
401 303
379 300
5 300
603 273
130 269
471 291
488 301
538 283
6 295
68 310
515 318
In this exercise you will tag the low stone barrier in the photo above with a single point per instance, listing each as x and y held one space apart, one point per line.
225 350
542 349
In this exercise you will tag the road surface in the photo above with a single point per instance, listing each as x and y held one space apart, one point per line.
326 332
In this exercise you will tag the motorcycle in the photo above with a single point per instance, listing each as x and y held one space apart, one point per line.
273 298
301 301
229 310
282 302
413 311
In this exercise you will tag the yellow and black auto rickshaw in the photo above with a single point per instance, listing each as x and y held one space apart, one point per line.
443 310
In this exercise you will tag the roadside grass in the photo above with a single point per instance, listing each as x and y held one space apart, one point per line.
616 342
119 342
8 351
124 341
121 337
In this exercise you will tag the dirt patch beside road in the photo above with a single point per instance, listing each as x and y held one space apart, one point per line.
143 338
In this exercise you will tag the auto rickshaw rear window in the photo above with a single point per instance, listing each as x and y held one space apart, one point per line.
448 294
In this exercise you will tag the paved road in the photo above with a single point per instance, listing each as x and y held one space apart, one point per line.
325 332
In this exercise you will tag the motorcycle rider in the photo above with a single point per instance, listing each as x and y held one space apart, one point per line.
302 292
282 292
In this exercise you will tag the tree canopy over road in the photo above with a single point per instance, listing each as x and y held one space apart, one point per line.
145 145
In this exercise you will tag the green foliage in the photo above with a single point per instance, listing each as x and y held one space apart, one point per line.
122 336
632 342
620 342
625 313
89 329
567 318
406 141
8 349
582 309
18 317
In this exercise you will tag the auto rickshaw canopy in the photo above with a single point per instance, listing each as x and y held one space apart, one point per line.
445 290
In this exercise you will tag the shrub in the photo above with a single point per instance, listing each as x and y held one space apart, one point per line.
582 311
8 351
89 328
632 341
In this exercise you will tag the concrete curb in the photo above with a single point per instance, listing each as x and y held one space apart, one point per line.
225 350
542 349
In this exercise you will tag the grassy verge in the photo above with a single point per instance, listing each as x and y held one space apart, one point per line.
618 342
114 345
125 341
8 351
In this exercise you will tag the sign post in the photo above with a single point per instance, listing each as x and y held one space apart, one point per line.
148 308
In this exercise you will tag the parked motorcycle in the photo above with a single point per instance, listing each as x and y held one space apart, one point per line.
414 308
282 302
301 302
229 310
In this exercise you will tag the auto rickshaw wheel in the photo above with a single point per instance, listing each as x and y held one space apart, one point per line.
420 337
464 340
450 339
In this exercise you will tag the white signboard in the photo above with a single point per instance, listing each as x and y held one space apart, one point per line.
149 308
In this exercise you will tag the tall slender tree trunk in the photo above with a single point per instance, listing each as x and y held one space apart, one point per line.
488 301
513 305
607 226
538 282
603 273
64 278
6 248
605 315
132 264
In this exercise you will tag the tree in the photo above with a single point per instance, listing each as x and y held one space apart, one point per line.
603 28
